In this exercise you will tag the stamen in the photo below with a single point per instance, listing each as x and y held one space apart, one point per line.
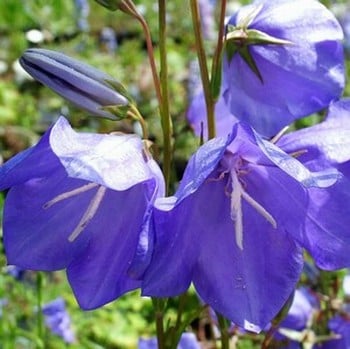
298 153
69 194
259 208
278 136
89 213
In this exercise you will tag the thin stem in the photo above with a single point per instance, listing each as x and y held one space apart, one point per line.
136 115
40 319
217 59
225 338
165 113
203 67
158 305
130 8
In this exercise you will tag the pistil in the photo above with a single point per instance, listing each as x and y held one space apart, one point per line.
237 194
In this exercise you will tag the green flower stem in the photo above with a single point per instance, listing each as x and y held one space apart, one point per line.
134 114
130 8
165 113
217 59
223 326
40 319
158 305
209 101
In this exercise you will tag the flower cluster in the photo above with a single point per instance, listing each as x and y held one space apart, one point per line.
250 201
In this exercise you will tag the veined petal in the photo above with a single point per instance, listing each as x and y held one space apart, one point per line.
20 168
247 286
280 194
296 169
298 79
325 144
202 164
98 158
188 239
103 278
31 231
327 235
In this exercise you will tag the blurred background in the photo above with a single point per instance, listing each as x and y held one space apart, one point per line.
114 43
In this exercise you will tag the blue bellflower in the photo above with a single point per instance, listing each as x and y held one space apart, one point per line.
58 320
235 228
284 61
80 202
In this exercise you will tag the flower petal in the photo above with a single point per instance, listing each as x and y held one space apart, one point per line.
31 231
327 236
248 286
324 144
197 238
99 157
99 274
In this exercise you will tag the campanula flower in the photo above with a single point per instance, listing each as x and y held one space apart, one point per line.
284 60
83 85
235 228
296 326
80 202
58 320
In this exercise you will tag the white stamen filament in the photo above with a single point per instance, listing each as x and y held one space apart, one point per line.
69 194
236 208
89 213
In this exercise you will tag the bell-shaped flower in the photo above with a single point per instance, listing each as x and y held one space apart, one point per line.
85 86
284 60
58 320
235 228
80 201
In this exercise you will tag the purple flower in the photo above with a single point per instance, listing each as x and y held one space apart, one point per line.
206 9
285 61
297 323
82 14
234 227
58 320
79 83
188 341
81 202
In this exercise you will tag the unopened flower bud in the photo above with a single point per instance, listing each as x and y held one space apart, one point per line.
79 83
